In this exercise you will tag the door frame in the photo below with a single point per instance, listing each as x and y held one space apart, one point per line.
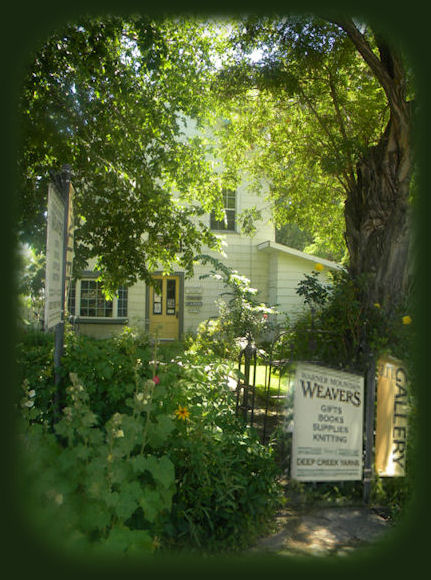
180 276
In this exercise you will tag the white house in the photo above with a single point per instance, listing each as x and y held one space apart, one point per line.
181 304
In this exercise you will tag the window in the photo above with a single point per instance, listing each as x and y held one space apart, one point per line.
157 297
228 223
71 299
171 292
122 301
93 302
86 299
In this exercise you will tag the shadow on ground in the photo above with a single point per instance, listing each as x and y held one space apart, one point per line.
322 531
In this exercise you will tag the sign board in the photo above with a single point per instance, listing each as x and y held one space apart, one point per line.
70 243
328 420
57 270
54 259
391 418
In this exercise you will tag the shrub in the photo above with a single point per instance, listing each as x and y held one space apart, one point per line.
35 364
172 466
242 316
103 489
227 481
107 368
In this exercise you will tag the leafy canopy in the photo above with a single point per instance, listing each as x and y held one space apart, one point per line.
109 97
300 108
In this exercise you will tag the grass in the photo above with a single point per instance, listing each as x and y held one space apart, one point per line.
262 379
279 387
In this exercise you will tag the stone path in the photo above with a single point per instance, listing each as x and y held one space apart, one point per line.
321 531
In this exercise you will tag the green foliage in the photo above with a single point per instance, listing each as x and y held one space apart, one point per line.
106 489
227 480
107 368
242 316
107 95
145 464
299 118
35 364
345 329
313 291
291 235
30 284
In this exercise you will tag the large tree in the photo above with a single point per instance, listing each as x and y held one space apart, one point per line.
324 115
109 97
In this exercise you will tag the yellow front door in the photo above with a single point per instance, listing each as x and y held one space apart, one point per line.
164 307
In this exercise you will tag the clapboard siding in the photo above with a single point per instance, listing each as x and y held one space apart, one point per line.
271 268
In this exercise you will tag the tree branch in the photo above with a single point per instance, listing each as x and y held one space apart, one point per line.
384 69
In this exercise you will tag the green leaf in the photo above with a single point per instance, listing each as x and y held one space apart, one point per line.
160 430
128 499
165 471
94 515
151 504
124 540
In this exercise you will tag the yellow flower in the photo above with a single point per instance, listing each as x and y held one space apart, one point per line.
407 319
319 267
182 413
377 305
119 433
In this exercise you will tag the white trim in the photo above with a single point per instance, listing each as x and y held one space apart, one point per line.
274 246
82 318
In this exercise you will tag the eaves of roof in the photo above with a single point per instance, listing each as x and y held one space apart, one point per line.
270 246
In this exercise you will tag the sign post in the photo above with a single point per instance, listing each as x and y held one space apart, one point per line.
328 421
59 255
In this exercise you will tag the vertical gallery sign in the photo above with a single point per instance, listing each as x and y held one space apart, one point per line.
70 238
391 418
328 421
59 250
54 258
59 257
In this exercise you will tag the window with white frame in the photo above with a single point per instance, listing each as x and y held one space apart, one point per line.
93 302
227 224
87 300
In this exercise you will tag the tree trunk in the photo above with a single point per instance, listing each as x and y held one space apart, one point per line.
378 217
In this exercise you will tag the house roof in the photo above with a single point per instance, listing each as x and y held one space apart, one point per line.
270 246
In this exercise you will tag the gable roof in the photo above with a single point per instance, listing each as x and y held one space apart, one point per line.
270 246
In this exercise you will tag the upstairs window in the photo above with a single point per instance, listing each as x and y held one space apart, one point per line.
228 223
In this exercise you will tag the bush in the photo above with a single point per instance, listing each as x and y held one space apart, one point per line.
242 316
171 466
99 488
107 368
227 481
35 364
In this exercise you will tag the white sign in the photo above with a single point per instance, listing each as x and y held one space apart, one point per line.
328 417
54 259
70 243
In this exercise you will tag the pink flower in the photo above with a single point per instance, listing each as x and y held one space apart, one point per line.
156 380
265 316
